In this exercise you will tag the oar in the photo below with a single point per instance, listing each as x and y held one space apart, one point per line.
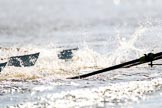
2 65
23 60
66 54
144 59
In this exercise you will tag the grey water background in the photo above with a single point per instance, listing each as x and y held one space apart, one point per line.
54 21
100 24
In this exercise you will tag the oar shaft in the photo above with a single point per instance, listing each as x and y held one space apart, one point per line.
105 70
144 59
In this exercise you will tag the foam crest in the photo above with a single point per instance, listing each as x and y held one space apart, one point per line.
88 58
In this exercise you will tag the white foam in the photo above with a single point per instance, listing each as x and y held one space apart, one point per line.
121 93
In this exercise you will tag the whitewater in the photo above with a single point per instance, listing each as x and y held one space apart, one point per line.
106 33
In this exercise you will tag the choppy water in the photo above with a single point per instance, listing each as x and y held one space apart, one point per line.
107 32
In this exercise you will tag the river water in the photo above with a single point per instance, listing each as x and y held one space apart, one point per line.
107 32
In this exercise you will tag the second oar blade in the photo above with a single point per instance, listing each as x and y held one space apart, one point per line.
2 65
23 61
66 54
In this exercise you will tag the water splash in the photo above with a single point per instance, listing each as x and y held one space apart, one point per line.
126 49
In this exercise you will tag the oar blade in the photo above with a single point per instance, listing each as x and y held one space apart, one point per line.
2 65
66 54
24 60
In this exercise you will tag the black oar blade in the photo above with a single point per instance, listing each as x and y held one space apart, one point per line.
23 61
2 65
66 54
